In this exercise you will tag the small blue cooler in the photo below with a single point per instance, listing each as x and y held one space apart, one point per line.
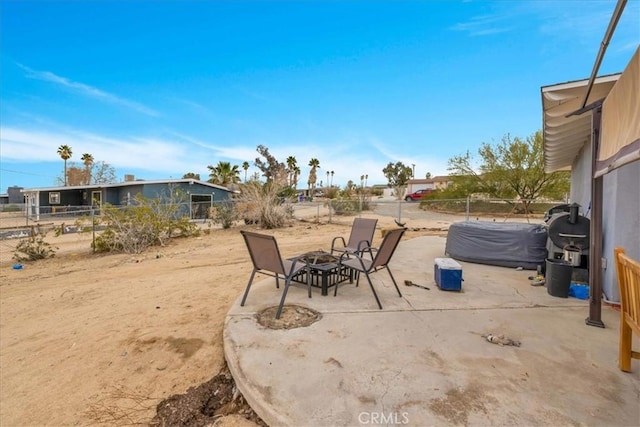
447 274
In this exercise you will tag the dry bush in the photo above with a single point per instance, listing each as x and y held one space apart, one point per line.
122 406
148 222
34 248
264 204
224 213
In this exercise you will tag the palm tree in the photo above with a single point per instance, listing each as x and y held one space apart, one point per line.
291 168
296 174
315 164
87 159
64 151
245 166
223 173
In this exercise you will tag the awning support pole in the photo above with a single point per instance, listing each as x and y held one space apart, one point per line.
595 231
617 13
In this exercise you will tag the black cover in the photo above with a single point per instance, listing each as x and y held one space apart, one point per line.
502 244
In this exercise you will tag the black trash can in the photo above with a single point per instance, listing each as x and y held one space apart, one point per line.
558 277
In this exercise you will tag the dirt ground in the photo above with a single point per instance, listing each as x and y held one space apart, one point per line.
88 339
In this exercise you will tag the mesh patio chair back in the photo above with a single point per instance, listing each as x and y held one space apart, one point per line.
387 248
264 252
361 236
265 256
380 259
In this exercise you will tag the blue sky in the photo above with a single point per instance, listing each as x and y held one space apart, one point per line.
161 88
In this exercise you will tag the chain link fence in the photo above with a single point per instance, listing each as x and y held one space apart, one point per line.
432 214
327 210
430 210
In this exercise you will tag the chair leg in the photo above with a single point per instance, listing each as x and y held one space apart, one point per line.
394 282
287 281
373 290
624 356
246 291
277 281
352 272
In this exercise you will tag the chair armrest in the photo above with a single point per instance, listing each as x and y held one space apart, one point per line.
333 242
299 258
363 245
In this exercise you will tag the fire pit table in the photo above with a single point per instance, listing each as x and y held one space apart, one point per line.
325 271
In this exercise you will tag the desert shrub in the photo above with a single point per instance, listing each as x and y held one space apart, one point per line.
345 206
331 192
263 204
224 213
480 206
288 192
34 248
85 224
350 203
148 222
375 191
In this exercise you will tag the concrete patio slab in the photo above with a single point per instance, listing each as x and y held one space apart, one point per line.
422 360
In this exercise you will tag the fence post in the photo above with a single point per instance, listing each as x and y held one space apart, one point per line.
329 204
317 212
467 208
93 228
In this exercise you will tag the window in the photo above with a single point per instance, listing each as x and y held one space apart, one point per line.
54 198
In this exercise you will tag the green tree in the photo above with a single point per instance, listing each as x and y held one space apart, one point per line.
296 175
223 174
245 166
87 159
103 173
65 153
272 169
397 176
292 165
315 164
191 175
512 168
76 175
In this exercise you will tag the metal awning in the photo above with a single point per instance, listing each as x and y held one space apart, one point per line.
565 134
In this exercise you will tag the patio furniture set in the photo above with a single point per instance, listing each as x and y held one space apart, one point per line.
346 260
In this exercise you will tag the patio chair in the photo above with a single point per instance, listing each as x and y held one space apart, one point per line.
629 286
266 259
379 260
361 236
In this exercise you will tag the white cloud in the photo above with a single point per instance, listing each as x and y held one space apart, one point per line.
349 158
483 25
87 90
122 153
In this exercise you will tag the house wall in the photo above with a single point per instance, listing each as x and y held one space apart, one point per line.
67 198
621 219
581 180
157 190
620 212
125 195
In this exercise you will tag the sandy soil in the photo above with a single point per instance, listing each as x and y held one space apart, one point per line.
88 338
